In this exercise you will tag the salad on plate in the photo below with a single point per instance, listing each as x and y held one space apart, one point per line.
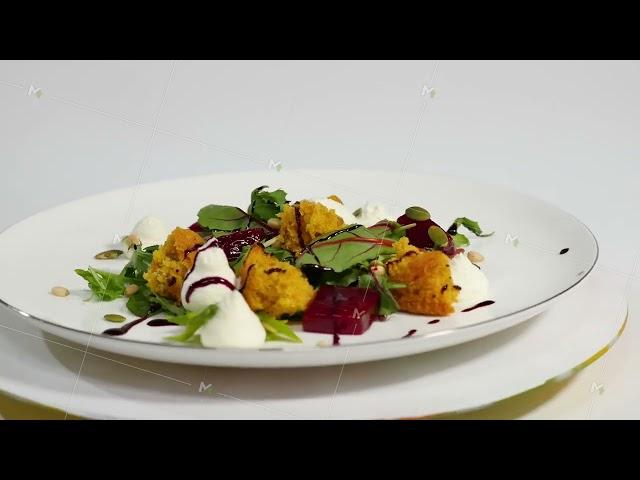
237 278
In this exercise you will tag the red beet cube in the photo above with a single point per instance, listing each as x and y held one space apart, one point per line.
341 310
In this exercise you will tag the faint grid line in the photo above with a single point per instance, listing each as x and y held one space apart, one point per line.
147 153
402 174
131 202
625 300
98 111
93 354
11 84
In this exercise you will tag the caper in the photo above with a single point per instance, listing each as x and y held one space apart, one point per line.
417 214
108 255
438 236
112 317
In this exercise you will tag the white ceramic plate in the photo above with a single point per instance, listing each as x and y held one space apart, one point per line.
523 262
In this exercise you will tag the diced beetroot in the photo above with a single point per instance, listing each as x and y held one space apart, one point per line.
233 243
419 235
341 310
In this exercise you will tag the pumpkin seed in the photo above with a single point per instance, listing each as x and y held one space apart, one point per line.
108 254
438 236
112 317
417 214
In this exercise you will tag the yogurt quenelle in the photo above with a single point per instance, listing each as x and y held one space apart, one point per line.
369 214
212 282
150 231
472 281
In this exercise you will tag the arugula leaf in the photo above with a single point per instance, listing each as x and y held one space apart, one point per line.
145 302
139 263
343 249
139 303
383 285
106 286
281 254
471 225
342 279
192 321
223 218
265 204
277 330
388 229
460 240
167 305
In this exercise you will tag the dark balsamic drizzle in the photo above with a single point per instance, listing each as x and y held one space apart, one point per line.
160 322
486 303
212 242
296 209
206 281
410 333
336 339
563 251
431 322
114 332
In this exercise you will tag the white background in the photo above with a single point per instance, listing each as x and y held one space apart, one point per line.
567 132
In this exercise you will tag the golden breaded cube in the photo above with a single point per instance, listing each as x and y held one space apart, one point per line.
429 286
273 286
172 261
305 222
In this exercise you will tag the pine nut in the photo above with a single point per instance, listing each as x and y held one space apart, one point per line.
474 257
131 289
59 291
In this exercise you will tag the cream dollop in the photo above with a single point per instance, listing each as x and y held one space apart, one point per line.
211 261
233 325
473 282
150 230
371 213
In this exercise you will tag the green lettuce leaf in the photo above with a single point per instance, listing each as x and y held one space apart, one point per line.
192 321
265 204
106 286
471 225
460 240
278 330
383 285
223 218
342 250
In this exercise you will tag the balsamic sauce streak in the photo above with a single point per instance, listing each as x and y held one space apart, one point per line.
206 281
160 322
296 209
431 322
481 304
410 333
563 251
117 331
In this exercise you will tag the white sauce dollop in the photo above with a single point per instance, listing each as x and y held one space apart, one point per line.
371 213
234 324
210 262
474 283
150 230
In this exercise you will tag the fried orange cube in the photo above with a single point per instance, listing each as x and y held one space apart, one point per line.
429 286
304 222
272 286
171 262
